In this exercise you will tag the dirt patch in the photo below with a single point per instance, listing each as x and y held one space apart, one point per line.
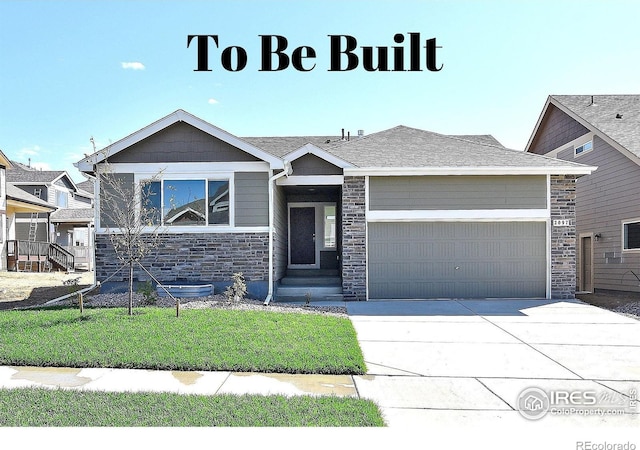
610 299
21 289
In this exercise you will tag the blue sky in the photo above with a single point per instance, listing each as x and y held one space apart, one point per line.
64 75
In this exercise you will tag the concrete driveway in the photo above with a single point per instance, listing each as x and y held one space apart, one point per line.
478 362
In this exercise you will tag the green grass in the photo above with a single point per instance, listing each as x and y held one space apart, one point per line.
200 339
65 408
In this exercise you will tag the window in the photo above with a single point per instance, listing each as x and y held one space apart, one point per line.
62 199
151 202
584 148
329 226
218 202
185 202
631 235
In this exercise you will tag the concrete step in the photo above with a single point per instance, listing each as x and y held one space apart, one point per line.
298 293
314 298
314 290
312 273
311 281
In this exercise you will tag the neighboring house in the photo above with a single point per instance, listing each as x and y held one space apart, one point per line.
22 254
4 164
600 130
400 214
70 226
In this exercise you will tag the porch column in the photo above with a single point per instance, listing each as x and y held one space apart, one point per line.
563 238
354 239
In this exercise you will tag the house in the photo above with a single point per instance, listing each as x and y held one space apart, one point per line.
71 224
4 164
603 131
399 214
28 255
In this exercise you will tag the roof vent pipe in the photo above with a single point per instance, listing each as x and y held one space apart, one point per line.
343 134
360 133
348 135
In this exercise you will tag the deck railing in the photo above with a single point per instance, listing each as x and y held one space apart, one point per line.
37 256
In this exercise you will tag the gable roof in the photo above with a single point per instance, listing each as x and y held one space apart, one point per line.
87 164
405 150
310 149
616 118
21 174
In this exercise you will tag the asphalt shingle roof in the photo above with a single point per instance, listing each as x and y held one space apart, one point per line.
410 147
617 116
16 175
86 186
72 215
282 145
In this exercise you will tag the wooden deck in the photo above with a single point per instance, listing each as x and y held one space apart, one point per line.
34 256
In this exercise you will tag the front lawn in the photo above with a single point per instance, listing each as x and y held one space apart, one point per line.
200 339
65 408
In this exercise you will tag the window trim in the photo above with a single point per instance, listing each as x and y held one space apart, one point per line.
577 154
206 179
622 235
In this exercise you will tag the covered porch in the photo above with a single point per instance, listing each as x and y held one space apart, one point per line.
308 243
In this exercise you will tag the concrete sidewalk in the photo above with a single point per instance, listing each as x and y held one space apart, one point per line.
441 362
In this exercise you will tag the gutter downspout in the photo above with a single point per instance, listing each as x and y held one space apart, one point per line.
287 171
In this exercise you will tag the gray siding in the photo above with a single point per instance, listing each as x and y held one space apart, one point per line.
281 233
604 199
31 188
64 182
23 224
457 192
181 142
112 196
556 129
252 199
312 165
457 260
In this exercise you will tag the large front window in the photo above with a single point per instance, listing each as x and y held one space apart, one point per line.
185 202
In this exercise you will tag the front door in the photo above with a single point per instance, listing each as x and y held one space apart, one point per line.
302 235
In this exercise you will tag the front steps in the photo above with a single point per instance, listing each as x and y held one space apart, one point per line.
314 284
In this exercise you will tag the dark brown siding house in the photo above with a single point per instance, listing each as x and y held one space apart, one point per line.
602 131
399 214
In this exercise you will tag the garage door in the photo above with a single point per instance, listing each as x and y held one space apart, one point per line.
457 260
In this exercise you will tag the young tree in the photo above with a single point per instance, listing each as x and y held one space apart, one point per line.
132 216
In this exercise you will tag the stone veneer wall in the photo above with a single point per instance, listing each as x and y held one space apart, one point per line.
563 239
190 257
354 232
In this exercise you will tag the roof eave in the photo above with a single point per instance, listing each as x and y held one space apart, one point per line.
404 171
23 204
538 123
